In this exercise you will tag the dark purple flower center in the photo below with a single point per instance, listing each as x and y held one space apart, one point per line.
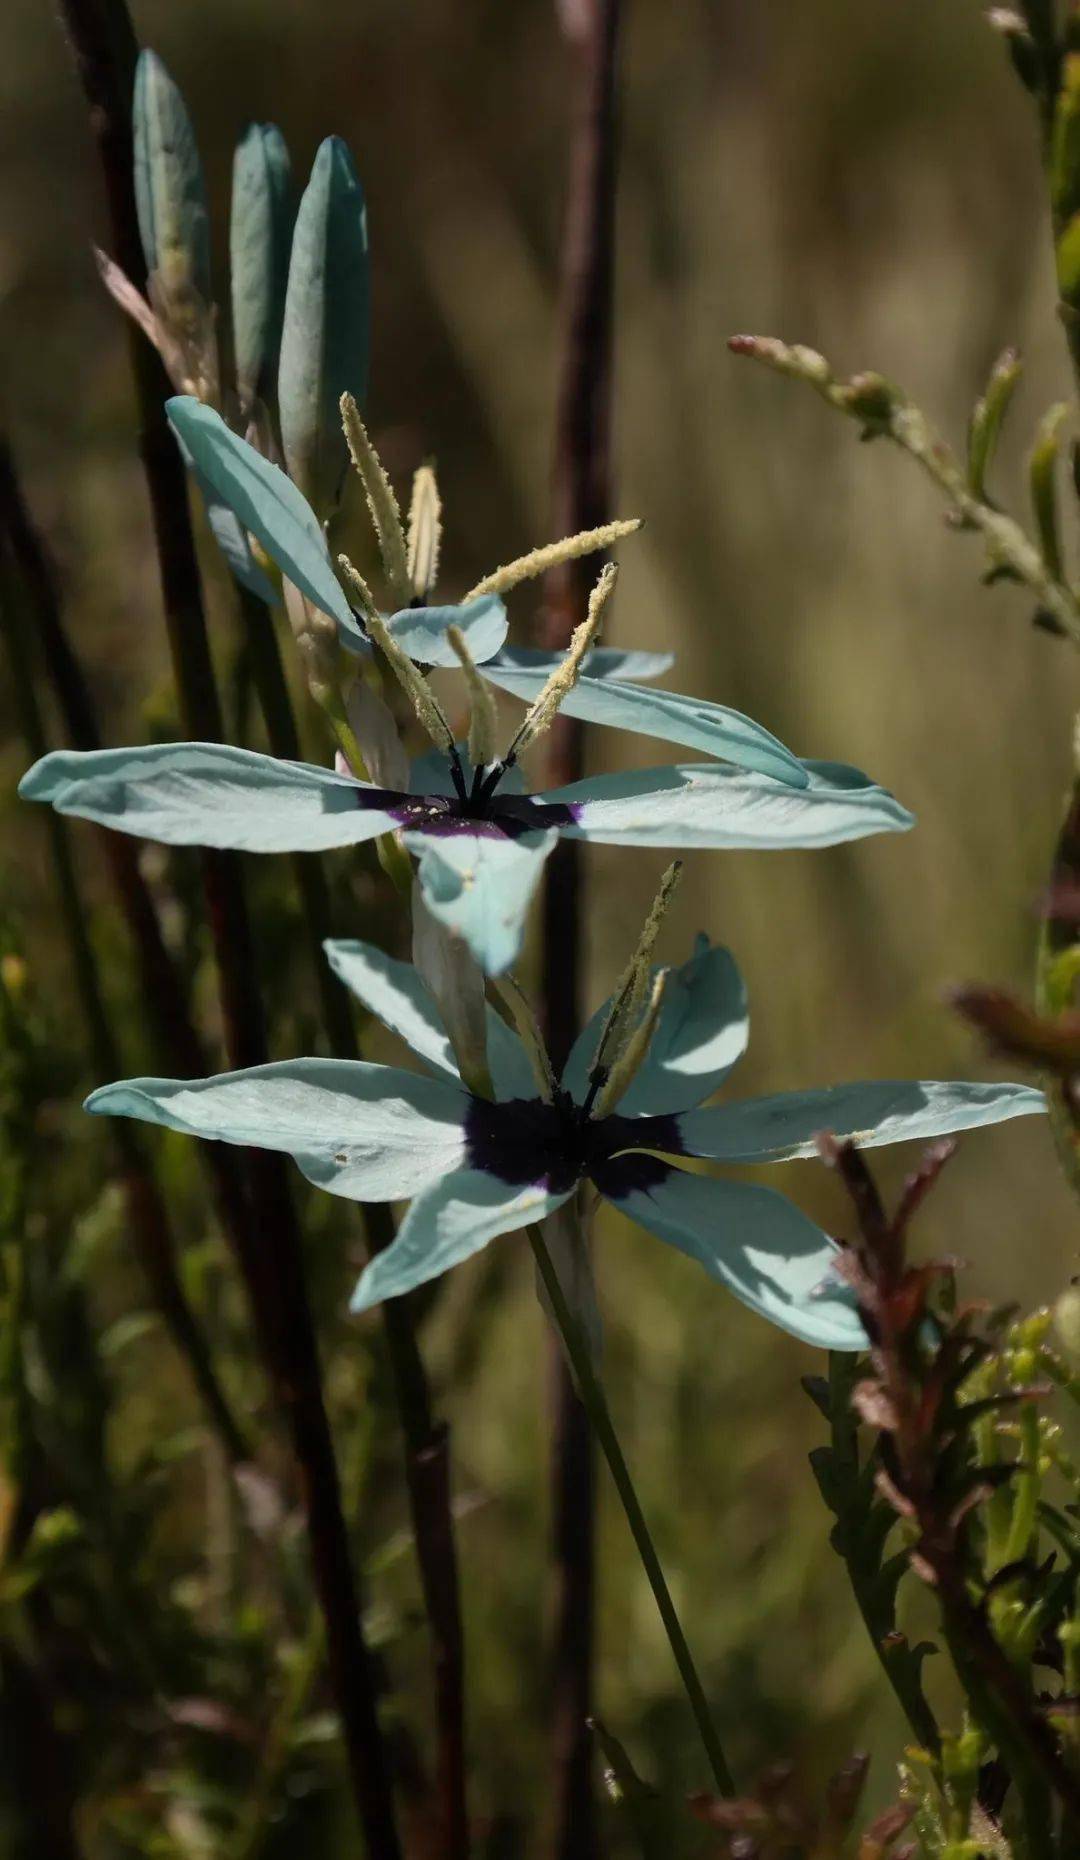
510 815
524 1140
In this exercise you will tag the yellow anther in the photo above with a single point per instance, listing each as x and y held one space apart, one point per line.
634 983
425 532
413 683
558 687
551 555
628 1064
365 599
382 503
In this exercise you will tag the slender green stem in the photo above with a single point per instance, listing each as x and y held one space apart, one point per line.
595 1403
884 412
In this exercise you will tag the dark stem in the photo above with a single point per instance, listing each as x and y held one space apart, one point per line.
582 500
38 1761
427 1443
163 989
154 1240
105 49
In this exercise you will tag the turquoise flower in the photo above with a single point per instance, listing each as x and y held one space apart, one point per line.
628 1102
479 839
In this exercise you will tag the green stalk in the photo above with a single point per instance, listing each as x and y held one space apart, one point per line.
595 1404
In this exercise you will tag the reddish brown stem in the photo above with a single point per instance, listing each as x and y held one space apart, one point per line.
582 500
270 1258
153 1240
163 990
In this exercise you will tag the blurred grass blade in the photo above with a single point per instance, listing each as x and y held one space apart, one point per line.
260 234
1042 468
324 345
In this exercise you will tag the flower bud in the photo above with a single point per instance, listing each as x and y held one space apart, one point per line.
324 343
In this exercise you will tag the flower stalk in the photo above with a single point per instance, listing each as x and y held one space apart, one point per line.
595 1404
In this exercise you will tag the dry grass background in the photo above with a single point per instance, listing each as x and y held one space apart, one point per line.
863 178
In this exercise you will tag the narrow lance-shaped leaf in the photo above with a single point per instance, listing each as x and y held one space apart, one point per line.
260 233
324 345
170 196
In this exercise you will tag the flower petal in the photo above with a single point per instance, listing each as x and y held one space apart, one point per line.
229 533
601 662
370 1133
480 885
755 1242
421 631
453 1220
702 804
712 728
268 504
702 1031
208 794
398 995
869 1114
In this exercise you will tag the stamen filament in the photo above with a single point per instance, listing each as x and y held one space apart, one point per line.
382 503
366 600
483 716
551 555
558 687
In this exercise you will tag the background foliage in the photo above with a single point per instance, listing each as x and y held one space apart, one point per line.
862 179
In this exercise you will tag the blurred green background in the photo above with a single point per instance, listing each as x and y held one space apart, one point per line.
864 179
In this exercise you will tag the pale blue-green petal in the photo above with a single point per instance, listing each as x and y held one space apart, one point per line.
601 662
760 1246
229 533
400 998
260 234
702 804
480 886
712 728
170 195
421 631
448 1224
326 335
869 1114
702 1031
209 794
370 1133
231 539
268 504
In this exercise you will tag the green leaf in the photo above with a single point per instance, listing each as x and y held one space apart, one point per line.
170 196
260 234
324 344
